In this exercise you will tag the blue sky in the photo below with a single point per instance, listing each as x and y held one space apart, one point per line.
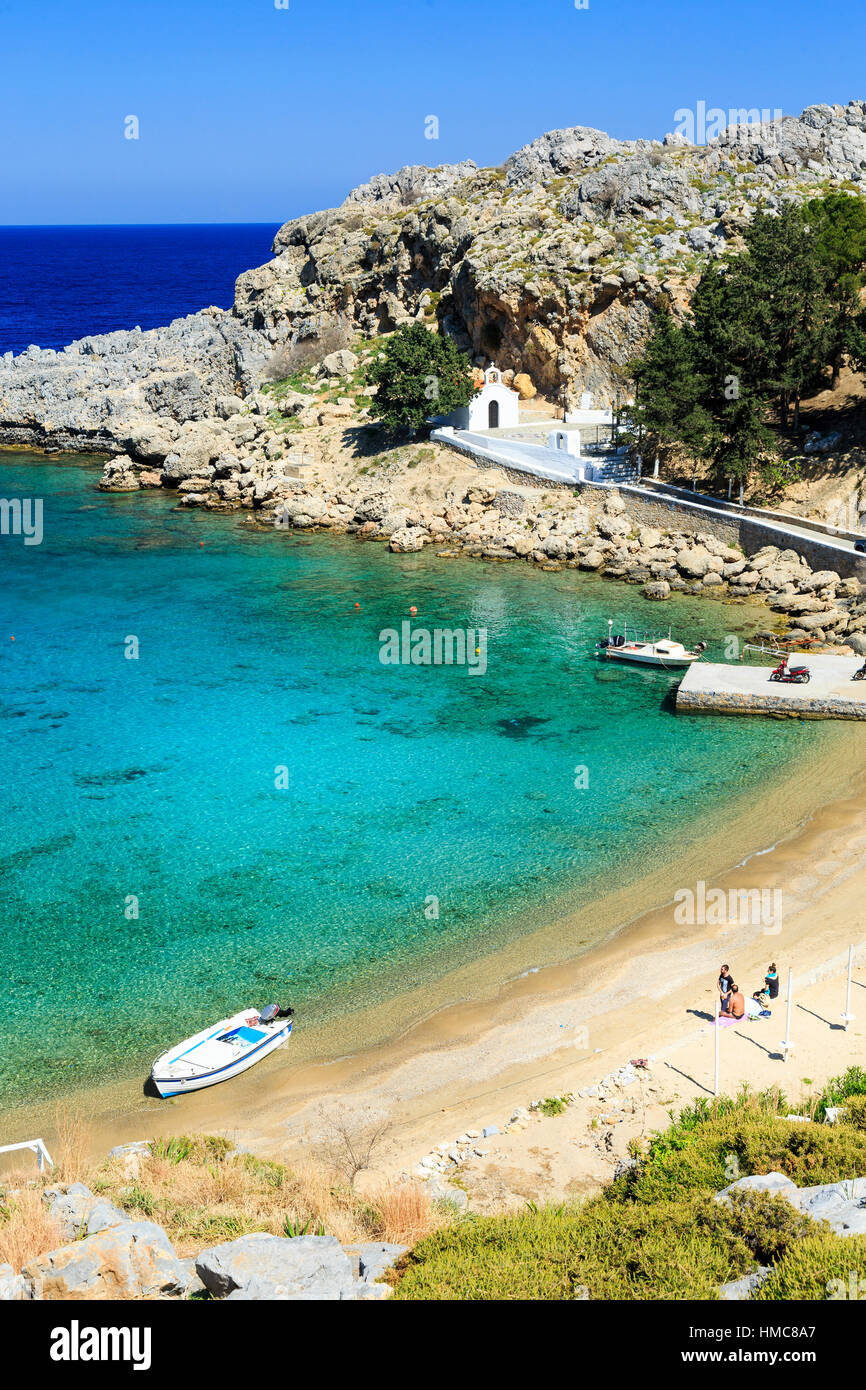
249 112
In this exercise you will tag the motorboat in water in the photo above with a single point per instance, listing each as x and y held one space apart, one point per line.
662 652
222 1051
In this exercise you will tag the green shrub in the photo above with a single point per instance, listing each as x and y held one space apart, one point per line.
199 1148
734 1143
767 1223
658 1232
855 1112
553 1105
841 1089
821 1267
646 1251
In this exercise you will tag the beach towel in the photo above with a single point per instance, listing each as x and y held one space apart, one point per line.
725 1021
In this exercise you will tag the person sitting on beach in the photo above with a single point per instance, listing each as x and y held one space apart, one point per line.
771 980
736 1002
724 982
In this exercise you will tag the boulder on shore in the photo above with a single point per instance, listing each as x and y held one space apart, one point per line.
133 1260
275 1267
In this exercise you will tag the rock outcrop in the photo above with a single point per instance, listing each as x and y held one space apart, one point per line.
298 1268
551 264
134 1259
274 1267
109 1256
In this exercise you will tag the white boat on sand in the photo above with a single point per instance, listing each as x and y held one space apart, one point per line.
663 652
221 1051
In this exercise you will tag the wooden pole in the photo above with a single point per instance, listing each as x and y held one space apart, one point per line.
847 1016
716 1030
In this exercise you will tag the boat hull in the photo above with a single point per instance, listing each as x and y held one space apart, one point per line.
169 1085
666 663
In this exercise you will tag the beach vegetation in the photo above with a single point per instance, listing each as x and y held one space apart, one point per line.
660 1250
819 1268
26 1228
71 1148
351 1141
182 1147
554 1105
700 1150
658 1232
202 1191
855 1112
841 1089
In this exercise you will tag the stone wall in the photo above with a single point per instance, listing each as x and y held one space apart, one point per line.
730 702
667 513
663 513
670 513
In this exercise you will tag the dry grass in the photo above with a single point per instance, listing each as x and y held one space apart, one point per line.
71 1148
203 1193
406 1213
26 1229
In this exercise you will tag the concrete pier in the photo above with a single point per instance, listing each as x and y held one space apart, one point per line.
740 689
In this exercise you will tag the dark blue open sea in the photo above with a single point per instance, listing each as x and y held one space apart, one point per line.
62 283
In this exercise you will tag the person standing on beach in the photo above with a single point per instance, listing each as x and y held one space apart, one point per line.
771 980
724 983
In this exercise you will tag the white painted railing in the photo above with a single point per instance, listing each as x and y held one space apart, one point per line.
37 1146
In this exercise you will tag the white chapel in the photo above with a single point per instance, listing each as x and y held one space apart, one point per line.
495 406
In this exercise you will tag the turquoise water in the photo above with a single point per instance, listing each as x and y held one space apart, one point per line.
155 779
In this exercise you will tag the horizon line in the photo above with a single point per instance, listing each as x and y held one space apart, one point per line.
57 226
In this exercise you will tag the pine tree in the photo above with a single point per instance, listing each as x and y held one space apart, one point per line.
838 226
667 388
742 442
781 330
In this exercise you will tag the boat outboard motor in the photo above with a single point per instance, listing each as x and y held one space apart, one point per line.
271 1012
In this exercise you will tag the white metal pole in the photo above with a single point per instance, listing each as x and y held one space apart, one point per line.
787 1045
847 1016
716 1030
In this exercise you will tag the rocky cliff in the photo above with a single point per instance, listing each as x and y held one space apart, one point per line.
550 264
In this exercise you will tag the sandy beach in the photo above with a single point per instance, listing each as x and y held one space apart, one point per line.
524 1033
